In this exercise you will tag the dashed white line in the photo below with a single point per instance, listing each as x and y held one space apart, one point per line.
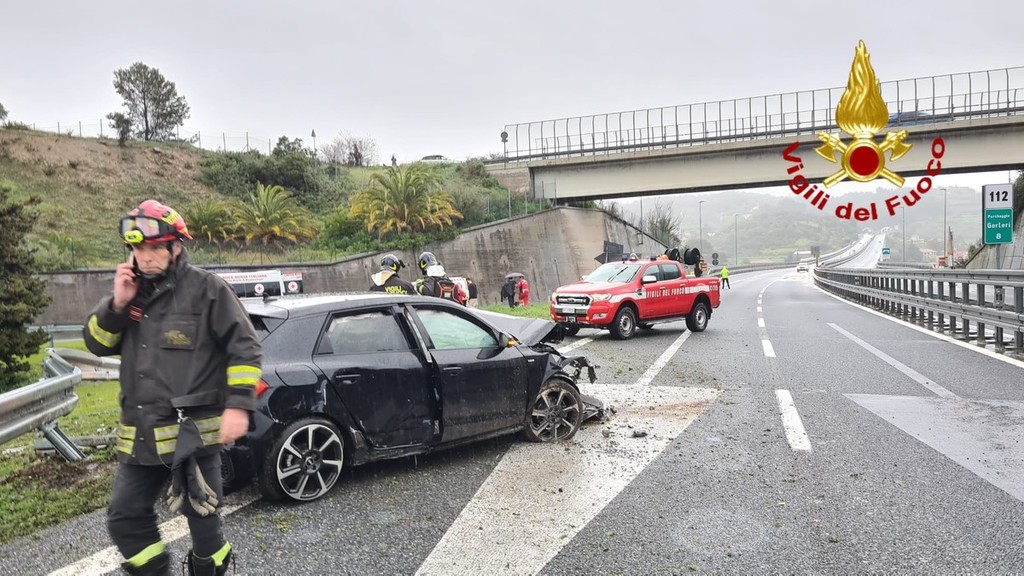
575 345
760 322
769 352
795 433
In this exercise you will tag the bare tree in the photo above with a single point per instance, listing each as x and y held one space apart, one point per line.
662 225
352 151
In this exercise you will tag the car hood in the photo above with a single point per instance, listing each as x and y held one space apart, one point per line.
584 287
528 331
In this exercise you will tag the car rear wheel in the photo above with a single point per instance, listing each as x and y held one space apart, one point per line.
305 461
555 413
624 325
697 321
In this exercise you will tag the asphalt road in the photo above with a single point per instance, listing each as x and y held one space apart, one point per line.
799 434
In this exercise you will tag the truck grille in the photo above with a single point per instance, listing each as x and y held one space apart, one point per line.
572 300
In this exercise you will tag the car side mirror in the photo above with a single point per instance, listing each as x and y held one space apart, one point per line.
504 341
648 279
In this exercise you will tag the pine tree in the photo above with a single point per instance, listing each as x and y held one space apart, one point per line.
21 293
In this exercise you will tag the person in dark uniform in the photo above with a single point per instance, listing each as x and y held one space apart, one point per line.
387 279
471 289
190 362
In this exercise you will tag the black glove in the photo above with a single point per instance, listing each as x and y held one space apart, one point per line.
186 475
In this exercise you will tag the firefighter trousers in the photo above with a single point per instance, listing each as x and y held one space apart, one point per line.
131 514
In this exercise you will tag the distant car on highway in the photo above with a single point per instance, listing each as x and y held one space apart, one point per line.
802 267
351 379
434 158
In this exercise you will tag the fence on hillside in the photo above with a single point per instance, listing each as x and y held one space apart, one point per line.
222 142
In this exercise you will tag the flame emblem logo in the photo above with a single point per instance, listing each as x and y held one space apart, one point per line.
861 113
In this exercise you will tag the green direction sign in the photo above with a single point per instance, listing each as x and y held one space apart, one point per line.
997 213
885 251
999 226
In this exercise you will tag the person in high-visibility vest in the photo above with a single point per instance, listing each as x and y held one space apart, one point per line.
725 277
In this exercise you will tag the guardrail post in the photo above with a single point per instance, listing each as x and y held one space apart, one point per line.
1018 307
64 445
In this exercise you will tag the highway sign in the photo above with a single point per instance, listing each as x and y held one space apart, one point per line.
997 213
886 251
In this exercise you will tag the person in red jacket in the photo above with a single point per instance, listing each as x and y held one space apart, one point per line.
523 289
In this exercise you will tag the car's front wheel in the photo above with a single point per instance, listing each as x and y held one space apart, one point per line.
571 329
555 413
305 461
624 325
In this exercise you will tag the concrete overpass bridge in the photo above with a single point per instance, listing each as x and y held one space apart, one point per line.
968 122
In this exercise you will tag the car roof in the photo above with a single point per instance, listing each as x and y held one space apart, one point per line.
299 305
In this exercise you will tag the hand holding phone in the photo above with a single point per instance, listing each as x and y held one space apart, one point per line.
125 286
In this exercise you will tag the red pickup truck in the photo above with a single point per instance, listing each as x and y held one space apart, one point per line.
624 296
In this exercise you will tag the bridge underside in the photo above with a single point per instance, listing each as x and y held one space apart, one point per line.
969 146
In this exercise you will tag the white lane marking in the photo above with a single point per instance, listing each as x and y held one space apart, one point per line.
110 559
759 310
769 352
913 374
760 322
791 423
575 345
540 496
662 360
932 333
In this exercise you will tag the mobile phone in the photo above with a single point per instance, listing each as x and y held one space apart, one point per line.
131 260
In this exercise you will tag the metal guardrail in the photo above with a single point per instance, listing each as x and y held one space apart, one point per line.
39 405
914 101
942 299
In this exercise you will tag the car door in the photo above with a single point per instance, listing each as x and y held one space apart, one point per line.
370 358
673 283
653 297
481 382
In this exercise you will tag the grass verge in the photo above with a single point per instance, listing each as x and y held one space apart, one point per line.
39 490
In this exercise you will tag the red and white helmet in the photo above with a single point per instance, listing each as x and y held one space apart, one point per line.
153 223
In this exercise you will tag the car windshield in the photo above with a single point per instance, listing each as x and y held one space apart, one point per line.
620 272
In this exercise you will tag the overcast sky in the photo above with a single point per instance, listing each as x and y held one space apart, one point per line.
445 77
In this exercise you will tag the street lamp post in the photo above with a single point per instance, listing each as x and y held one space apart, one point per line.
903 210
700 226
945 248
504 155
736 245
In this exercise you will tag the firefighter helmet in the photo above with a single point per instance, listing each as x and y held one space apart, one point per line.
391 262
153 223
427 260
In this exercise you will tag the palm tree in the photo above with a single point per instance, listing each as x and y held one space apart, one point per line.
210 221
404 199
271 217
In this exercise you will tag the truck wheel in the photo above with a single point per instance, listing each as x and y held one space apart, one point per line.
571 329
624 325
697 320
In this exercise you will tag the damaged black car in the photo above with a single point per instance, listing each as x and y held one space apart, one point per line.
350 379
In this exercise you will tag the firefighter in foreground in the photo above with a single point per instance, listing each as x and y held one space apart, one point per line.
190 361
435 282
387 280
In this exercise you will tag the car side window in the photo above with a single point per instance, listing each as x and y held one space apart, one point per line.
670 272
653 271
448 331
376 331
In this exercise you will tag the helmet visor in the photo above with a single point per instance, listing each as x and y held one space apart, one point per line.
138 229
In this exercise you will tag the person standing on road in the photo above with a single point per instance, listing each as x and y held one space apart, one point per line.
471 289
190 362
387 279
725 277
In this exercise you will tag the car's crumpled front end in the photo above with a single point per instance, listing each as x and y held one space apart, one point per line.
539 335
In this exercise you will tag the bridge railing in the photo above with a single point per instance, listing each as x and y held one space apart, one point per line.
38 406
948 300
914 101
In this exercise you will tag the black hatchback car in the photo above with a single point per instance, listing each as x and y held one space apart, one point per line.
349 379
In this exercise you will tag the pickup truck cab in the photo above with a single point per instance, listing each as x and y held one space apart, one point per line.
623 296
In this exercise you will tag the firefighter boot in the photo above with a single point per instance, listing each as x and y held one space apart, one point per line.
159 565
216 565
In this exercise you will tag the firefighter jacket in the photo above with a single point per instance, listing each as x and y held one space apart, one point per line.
188 345
388 281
